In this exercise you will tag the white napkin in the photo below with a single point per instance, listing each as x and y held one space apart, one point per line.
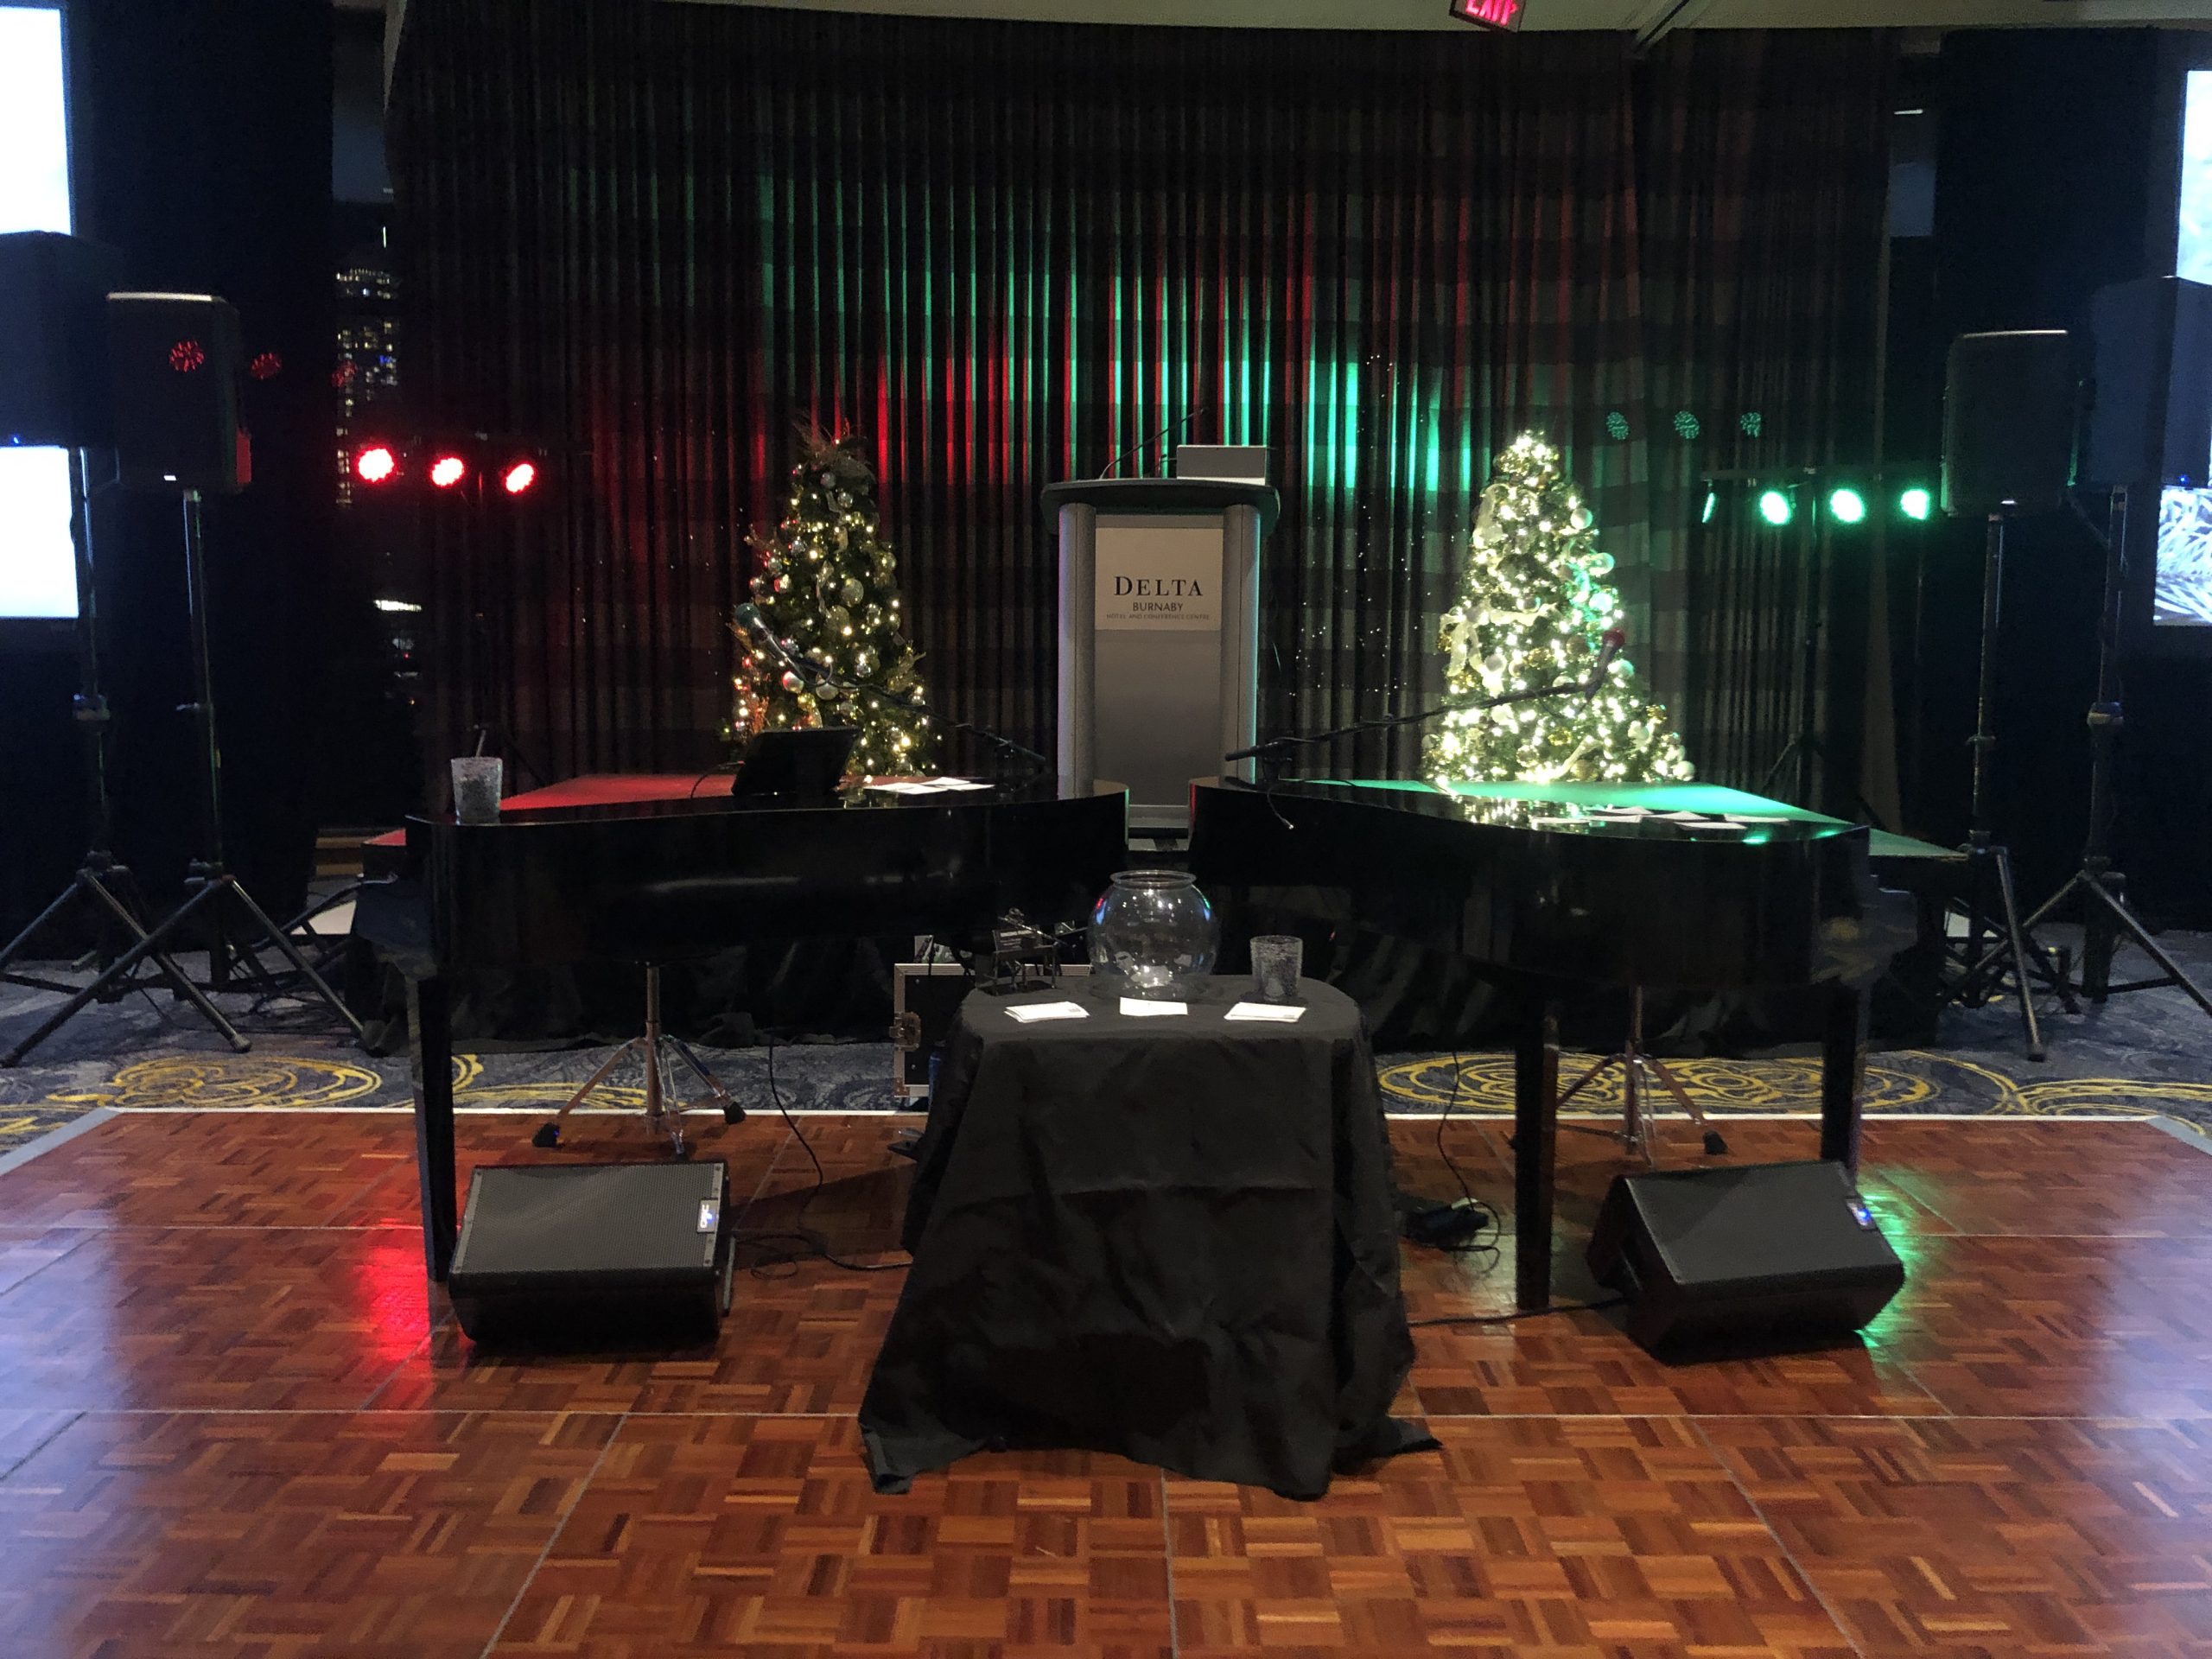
1280 1013
1030 1013
1137 1008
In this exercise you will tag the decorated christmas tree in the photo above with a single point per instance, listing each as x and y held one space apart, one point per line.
1534 613
827 593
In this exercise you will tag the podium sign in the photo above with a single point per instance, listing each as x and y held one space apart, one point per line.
1158 575
1159 632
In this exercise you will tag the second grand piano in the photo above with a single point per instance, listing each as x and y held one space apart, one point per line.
1549 888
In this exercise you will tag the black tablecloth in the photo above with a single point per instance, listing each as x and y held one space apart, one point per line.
1171 1238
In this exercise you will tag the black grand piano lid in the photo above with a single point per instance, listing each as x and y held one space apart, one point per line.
1639 811
714 798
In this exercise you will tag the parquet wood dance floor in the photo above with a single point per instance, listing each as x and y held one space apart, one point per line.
234 1424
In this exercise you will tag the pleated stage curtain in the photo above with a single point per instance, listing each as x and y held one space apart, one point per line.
666 236
1764 197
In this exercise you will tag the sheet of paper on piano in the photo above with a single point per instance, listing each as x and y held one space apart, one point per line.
926 786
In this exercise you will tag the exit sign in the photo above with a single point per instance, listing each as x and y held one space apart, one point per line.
1490 13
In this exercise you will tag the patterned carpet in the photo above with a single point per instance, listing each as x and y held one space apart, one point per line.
1908 1081
2139 1055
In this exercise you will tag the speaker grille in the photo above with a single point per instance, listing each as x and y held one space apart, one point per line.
175 362
1745 1250
2012 406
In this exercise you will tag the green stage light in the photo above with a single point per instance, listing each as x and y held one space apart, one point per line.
1711 507
1776 508
1916 504
1846 505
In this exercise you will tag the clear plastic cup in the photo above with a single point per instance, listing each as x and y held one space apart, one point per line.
1277 961
479 780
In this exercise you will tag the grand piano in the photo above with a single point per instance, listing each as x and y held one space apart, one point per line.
657 870
1554 889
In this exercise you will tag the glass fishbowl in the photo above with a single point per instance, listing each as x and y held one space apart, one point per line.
1152 936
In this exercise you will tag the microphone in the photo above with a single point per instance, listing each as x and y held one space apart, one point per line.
749 618
1171 427
1616 641
1270 749
1002 743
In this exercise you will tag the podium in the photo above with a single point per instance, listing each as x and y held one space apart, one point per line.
1159 633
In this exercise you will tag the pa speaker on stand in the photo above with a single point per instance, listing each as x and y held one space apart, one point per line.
175 363
2150 425
53 393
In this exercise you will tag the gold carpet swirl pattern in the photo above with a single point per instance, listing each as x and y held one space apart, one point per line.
1906 1082
1935 1082
226 1081
229 1082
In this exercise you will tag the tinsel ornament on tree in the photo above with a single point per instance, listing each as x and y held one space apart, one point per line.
828 586
1533 612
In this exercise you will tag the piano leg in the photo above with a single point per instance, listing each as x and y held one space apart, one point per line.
1843 1071
1535 1141
430 1057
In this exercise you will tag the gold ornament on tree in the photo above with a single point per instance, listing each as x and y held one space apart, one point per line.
1534 612
846 619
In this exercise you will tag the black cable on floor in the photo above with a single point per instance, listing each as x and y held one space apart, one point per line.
1483 1239
816 1247
1526 1313
1451 1104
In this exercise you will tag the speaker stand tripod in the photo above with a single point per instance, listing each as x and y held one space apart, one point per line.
2107 922
101 881
1991 906
215 900
213 894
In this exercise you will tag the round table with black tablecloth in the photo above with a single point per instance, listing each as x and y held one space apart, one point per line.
1173 1238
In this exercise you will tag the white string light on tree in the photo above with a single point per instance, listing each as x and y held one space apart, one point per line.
1532 612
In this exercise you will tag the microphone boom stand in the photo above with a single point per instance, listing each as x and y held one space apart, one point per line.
757 628
1276 750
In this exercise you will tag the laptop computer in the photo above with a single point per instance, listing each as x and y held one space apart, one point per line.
799 767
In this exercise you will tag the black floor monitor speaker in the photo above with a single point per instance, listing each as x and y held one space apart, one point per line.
175 362
54 376
2012 406
582 1255
2151 420
1752 1251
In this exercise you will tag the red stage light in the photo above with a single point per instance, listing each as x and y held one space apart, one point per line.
519 477
448 471
375 464
186 355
